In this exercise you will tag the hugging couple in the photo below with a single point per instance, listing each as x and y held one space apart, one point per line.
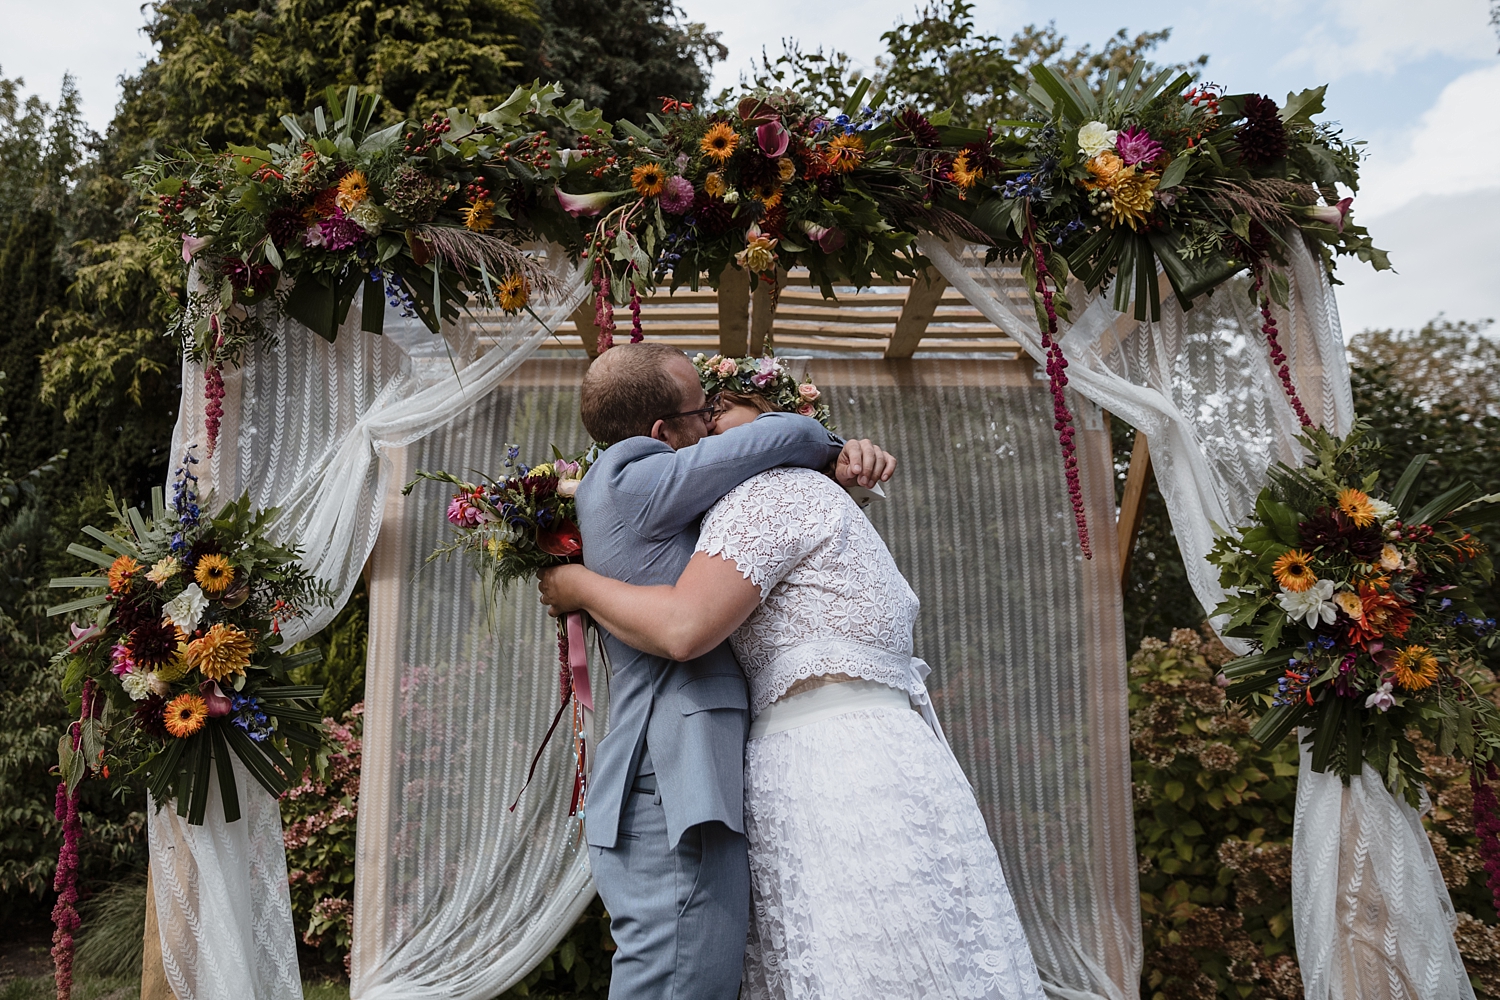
807 836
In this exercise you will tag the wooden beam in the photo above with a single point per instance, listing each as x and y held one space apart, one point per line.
734 312
921 305
763 314
153 972
1132 504
583 319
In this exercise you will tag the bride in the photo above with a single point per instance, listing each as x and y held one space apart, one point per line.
872 873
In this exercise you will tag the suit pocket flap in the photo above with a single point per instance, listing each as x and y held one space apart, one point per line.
713 691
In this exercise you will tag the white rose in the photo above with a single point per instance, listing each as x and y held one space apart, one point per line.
368 217
1095 137
186 609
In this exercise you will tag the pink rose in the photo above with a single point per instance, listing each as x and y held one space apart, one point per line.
807 409
727 368
808 391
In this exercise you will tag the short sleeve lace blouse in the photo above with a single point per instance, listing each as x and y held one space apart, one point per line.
833 601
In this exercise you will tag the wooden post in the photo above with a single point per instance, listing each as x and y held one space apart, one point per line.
583 319
153 973
763 314
921 305
1132 505
734 312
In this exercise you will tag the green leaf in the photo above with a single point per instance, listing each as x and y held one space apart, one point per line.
1408 478
78 581
1175 172
1054 87
78 605
228 793
1303 105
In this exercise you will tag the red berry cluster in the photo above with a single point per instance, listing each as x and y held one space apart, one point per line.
477 190
597 145
171 206
535 152
1062 417
430 136
1278 357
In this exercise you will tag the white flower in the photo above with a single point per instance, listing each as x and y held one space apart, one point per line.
731 197
186 609
1384 512
368 216
1311 604
1095 137
1381 698
137 684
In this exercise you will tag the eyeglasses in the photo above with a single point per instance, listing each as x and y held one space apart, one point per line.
706 412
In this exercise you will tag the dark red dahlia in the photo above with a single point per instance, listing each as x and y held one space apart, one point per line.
1262 138
830 186
150 716
1365 543
136 611
153 643
285 226
1325 528
714 215
758 171
773 224
921 131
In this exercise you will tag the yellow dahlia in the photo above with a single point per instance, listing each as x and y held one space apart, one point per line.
1293 571
176 668
1416 668
965 175
353 189
1132 194
844 153
122 572
185 715
223 652
648 179
214 574
719 143
479 216
514 293
164 570
1356 507
714 185
1105 167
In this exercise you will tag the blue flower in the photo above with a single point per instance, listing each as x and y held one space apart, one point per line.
250 717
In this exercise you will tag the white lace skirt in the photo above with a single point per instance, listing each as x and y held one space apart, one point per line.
872 873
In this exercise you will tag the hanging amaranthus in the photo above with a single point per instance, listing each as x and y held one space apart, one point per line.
604 309
65 919
636 333
1278 356
1487 826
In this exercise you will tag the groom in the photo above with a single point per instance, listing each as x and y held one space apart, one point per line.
665 811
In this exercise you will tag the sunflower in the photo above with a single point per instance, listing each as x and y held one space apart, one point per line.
1293 571
1356 507
185 715
1416 668
214 574
353 189
122 573
966 174
514 293
648 179
718 145
769 194
844 153
714 186
223 652
479 216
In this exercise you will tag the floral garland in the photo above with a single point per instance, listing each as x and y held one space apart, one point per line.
766 377
1363 611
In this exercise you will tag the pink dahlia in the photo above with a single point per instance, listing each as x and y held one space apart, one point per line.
1135 145
339 232
462 513
120 661
677 195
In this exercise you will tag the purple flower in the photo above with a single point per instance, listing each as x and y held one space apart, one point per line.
1135 145
339 232
677 195
773 138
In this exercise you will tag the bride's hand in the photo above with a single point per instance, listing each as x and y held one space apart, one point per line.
559 586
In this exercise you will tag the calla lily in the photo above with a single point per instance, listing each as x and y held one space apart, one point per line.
828 238
219 704
1330 215
753 110
584 204
191 245
773 138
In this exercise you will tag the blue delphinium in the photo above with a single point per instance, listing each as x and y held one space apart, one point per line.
250 717
185 501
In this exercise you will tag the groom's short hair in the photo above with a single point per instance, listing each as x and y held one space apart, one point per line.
627 389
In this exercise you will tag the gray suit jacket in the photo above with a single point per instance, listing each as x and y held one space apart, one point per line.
639 509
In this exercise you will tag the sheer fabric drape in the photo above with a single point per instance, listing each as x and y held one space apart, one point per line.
1200 386
309 427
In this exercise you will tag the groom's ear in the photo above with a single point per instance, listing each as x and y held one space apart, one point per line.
659 431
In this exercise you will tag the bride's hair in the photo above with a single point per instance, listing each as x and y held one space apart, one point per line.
627 389
754 400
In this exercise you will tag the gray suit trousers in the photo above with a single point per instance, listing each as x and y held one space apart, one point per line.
668 903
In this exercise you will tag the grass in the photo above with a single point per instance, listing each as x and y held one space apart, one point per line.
129 988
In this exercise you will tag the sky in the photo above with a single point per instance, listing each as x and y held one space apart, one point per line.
1416 79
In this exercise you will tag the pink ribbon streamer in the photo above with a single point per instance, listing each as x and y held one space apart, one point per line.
578 661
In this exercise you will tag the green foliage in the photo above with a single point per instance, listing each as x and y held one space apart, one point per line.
578 967
1213 823
341 671
112 939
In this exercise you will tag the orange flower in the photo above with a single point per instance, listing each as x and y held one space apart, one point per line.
1416 668
214 574
122 573
1104 167
648 179
719 143
185 715
1293 571
514 293
1385 617
964 174
1356 507
479 216
223 652
353 188
769 194
844 153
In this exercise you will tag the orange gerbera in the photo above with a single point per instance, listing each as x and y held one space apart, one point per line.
648 179
844 153
122 573
1356 507
769 194
965 174
719 142
223 652
1293 571
185 715
353 189
1416 668
214 574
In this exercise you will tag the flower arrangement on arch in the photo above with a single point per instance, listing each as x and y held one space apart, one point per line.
1362 608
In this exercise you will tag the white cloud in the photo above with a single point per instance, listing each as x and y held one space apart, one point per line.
1381 36
95 40
1453 148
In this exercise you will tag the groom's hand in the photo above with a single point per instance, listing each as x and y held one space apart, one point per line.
862 463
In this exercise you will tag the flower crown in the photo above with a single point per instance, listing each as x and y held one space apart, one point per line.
765 377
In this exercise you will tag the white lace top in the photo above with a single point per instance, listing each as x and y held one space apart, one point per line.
834 601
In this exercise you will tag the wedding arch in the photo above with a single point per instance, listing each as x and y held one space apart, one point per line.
950 348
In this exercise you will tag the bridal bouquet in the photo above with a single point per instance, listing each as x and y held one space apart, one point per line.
1362 606
178 661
